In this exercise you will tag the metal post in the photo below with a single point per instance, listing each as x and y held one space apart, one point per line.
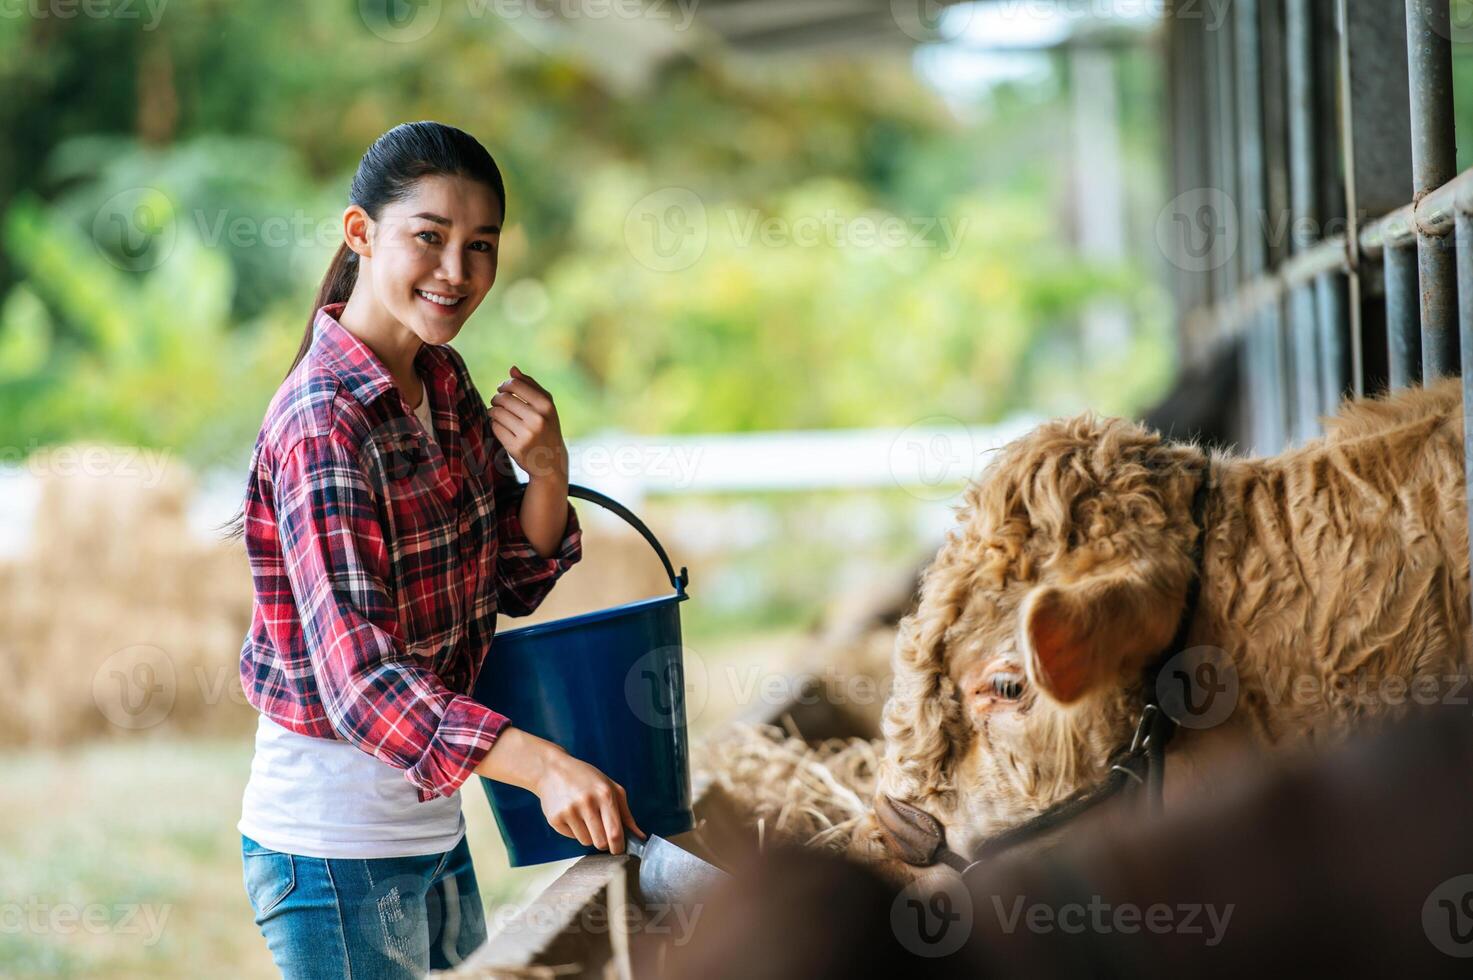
1330 288
1305 223
1464 239
1376 135
1403 336
1266 342
1430 80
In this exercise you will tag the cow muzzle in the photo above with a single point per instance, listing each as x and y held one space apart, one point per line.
909 833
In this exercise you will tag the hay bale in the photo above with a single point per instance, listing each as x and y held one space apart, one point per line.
789 791
119 620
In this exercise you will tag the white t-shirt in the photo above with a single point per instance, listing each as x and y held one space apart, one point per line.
323 797
423 414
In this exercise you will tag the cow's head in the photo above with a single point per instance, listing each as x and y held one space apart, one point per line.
1020 671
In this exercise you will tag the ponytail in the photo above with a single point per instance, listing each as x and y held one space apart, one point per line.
336 287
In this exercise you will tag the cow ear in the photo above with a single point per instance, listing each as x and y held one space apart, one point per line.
1080 636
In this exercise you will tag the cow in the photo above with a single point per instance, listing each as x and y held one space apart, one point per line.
1328 582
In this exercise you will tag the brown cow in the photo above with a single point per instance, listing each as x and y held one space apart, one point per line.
1333 581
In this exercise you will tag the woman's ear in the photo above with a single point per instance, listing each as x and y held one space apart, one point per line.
358 230
1079 636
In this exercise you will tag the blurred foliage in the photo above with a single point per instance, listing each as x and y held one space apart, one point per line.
175 202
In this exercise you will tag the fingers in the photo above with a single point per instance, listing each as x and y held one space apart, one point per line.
594 822
624 811
514 405
511 423
518 373
613 824
579 826
533 396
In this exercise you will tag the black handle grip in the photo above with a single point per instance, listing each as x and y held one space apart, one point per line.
679 582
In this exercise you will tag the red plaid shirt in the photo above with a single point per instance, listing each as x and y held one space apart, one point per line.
380 559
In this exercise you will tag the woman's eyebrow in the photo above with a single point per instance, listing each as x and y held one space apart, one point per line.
441 220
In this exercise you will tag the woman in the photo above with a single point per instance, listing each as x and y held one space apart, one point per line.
381 549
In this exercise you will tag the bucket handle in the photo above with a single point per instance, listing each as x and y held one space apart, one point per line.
608 503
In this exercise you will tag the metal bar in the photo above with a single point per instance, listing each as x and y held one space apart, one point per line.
1266 356
1435 214
1223 169
1403 323
1376 144
1465 329
1430 80
1304 224
1329 298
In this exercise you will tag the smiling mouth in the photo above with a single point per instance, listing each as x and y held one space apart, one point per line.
440 299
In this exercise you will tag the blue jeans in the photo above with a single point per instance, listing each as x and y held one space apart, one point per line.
364 919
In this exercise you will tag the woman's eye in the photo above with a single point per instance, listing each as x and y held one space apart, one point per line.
484 246
1009 687
430 239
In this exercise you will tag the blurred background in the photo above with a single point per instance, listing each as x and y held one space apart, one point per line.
789 269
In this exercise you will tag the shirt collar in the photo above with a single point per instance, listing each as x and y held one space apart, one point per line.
355 364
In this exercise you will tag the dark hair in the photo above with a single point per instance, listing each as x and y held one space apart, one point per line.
387 173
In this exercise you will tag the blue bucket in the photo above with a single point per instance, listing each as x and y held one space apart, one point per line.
607 686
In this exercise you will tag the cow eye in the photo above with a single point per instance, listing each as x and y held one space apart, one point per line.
1009 687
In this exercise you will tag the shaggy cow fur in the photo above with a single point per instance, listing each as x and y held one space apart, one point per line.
1334 575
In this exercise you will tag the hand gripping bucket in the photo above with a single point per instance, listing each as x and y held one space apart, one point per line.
609 687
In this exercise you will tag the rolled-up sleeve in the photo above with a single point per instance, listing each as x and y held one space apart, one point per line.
524 577
374 692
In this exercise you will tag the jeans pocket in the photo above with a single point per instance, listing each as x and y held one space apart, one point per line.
269 876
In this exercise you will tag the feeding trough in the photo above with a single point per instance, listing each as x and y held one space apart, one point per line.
609 687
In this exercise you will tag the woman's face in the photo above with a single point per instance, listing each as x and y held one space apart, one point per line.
433 254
